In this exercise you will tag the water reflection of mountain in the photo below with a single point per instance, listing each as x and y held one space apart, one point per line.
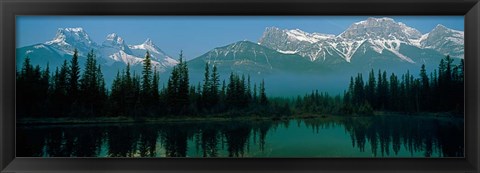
381 136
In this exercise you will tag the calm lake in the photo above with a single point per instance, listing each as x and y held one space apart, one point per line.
374 136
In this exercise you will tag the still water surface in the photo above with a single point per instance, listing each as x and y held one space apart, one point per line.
375 136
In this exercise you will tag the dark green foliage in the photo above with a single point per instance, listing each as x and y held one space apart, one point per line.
319 103
370 88
92 89
68 91
32 90
147 75
65 93
178 88
423 94
263 95
74 76
59 95
125 94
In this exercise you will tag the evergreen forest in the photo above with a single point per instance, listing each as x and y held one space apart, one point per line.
79 91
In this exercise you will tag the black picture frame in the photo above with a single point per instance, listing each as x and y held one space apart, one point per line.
11 8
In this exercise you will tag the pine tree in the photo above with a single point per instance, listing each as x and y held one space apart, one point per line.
214 84
206 97
424 88
178 88
90 84
385 94
254 97
263 95
60 98
222 92
155 84
116 97
231 100
102 93
128 92
370 88
172 90
379 91
242 92
249 90
147 76
184 84
359 91
394 93
448 69
73 76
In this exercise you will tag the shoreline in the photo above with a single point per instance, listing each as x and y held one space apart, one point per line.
113 120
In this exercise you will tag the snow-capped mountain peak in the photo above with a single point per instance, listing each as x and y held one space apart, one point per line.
443 29
440 27
71 36
112 52
115 41
149 42
297 34
445 40
156 53
378 35
374 21
376 28
114 38
148 45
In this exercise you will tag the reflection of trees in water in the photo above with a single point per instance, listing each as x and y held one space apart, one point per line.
209 142
317 124
259 132
237 137
87 142
174 139
122 141
60 142
450 135
416 133
385 136
148 141
234 137
30 142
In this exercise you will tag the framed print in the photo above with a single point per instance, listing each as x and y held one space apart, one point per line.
239 86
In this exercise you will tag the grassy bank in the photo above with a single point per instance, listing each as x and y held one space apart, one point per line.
101 120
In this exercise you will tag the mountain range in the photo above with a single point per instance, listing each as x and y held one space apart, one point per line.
114 52
378 43
375 43
379 34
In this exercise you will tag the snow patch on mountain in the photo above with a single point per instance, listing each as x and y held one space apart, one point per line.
297 34
445 40
113 49
71 37
287 52
381 34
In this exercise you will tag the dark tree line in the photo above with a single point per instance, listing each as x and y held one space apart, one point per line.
318 103
233 98
75 92
64 92
71 91
440 91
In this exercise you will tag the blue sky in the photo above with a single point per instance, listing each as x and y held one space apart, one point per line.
196 35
